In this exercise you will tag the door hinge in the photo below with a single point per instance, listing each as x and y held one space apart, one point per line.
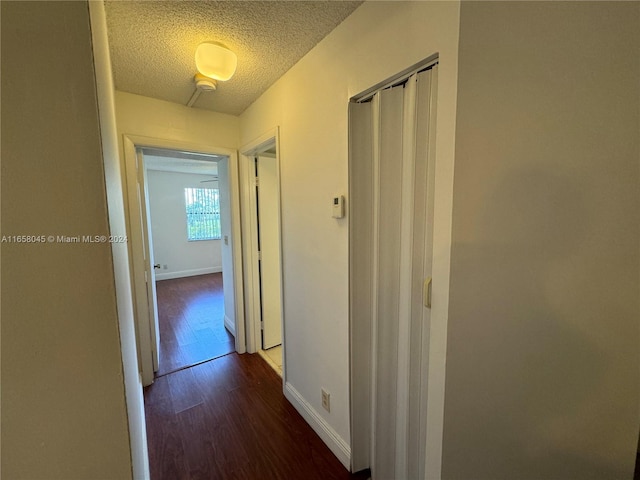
259 256
146 279
257 182
261 325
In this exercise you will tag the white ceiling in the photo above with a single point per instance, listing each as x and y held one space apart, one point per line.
153 44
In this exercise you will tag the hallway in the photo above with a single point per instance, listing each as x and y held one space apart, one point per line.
191 319
228 419
214 414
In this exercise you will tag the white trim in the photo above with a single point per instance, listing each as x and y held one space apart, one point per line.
375 125
263 142
188 273
360 293
149 270
228 324
138 258
250 248
237 254
442 224
329 436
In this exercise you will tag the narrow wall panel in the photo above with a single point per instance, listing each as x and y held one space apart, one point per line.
63 397
360 277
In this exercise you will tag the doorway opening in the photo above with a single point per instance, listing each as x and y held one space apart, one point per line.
187 204
263 252
184 228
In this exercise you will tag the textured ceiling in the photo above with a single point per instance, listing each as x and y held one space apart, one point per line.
153 44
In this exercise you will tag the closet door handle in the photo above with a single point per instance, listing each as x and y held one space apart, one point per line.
426 292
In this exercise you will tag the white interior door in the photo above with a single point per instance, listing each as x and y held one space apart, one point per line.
423 173
392 177
388 256
150 271
269 247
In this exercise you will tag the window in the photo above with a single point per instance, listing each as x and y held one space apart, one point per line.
203 213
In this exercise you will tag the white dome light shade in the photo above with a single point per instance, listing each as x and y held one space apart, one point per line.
215 61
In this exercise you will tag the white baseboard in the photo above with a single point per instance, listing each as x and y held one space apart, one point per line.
187 273
329 436
229 325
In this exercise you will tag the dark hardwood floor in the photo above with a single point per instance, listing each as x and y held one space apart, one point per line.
191 319
228 419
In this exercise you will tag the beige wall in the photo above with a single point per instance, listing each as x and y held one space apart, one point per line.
543 332
63 399
309 103
543 347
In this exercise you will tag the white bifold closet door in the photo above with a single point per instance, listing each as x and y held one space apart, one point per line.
391 249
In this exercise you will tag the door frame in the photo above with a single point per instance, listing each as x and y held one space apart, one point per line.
249 240
145 331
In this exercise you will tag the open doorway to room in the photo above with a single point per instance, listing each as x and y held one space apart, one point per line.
185 215
268 230
185 239
263 259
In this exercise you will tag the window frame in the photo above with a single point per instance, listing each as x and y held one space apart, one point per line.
193 195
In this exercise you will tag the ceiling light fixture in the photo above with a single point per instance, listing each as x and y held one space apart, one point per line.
214 63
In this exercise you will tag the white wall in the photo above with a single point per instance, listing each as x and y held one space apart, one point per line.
226 248
138 115
309 103
169 227
148 117
543 355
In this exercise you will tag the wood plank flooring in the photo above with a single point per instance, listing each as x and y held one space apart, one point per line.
228 419
191 319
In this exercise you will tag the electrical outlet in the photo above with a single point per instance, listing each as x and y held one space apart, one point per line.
326 400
